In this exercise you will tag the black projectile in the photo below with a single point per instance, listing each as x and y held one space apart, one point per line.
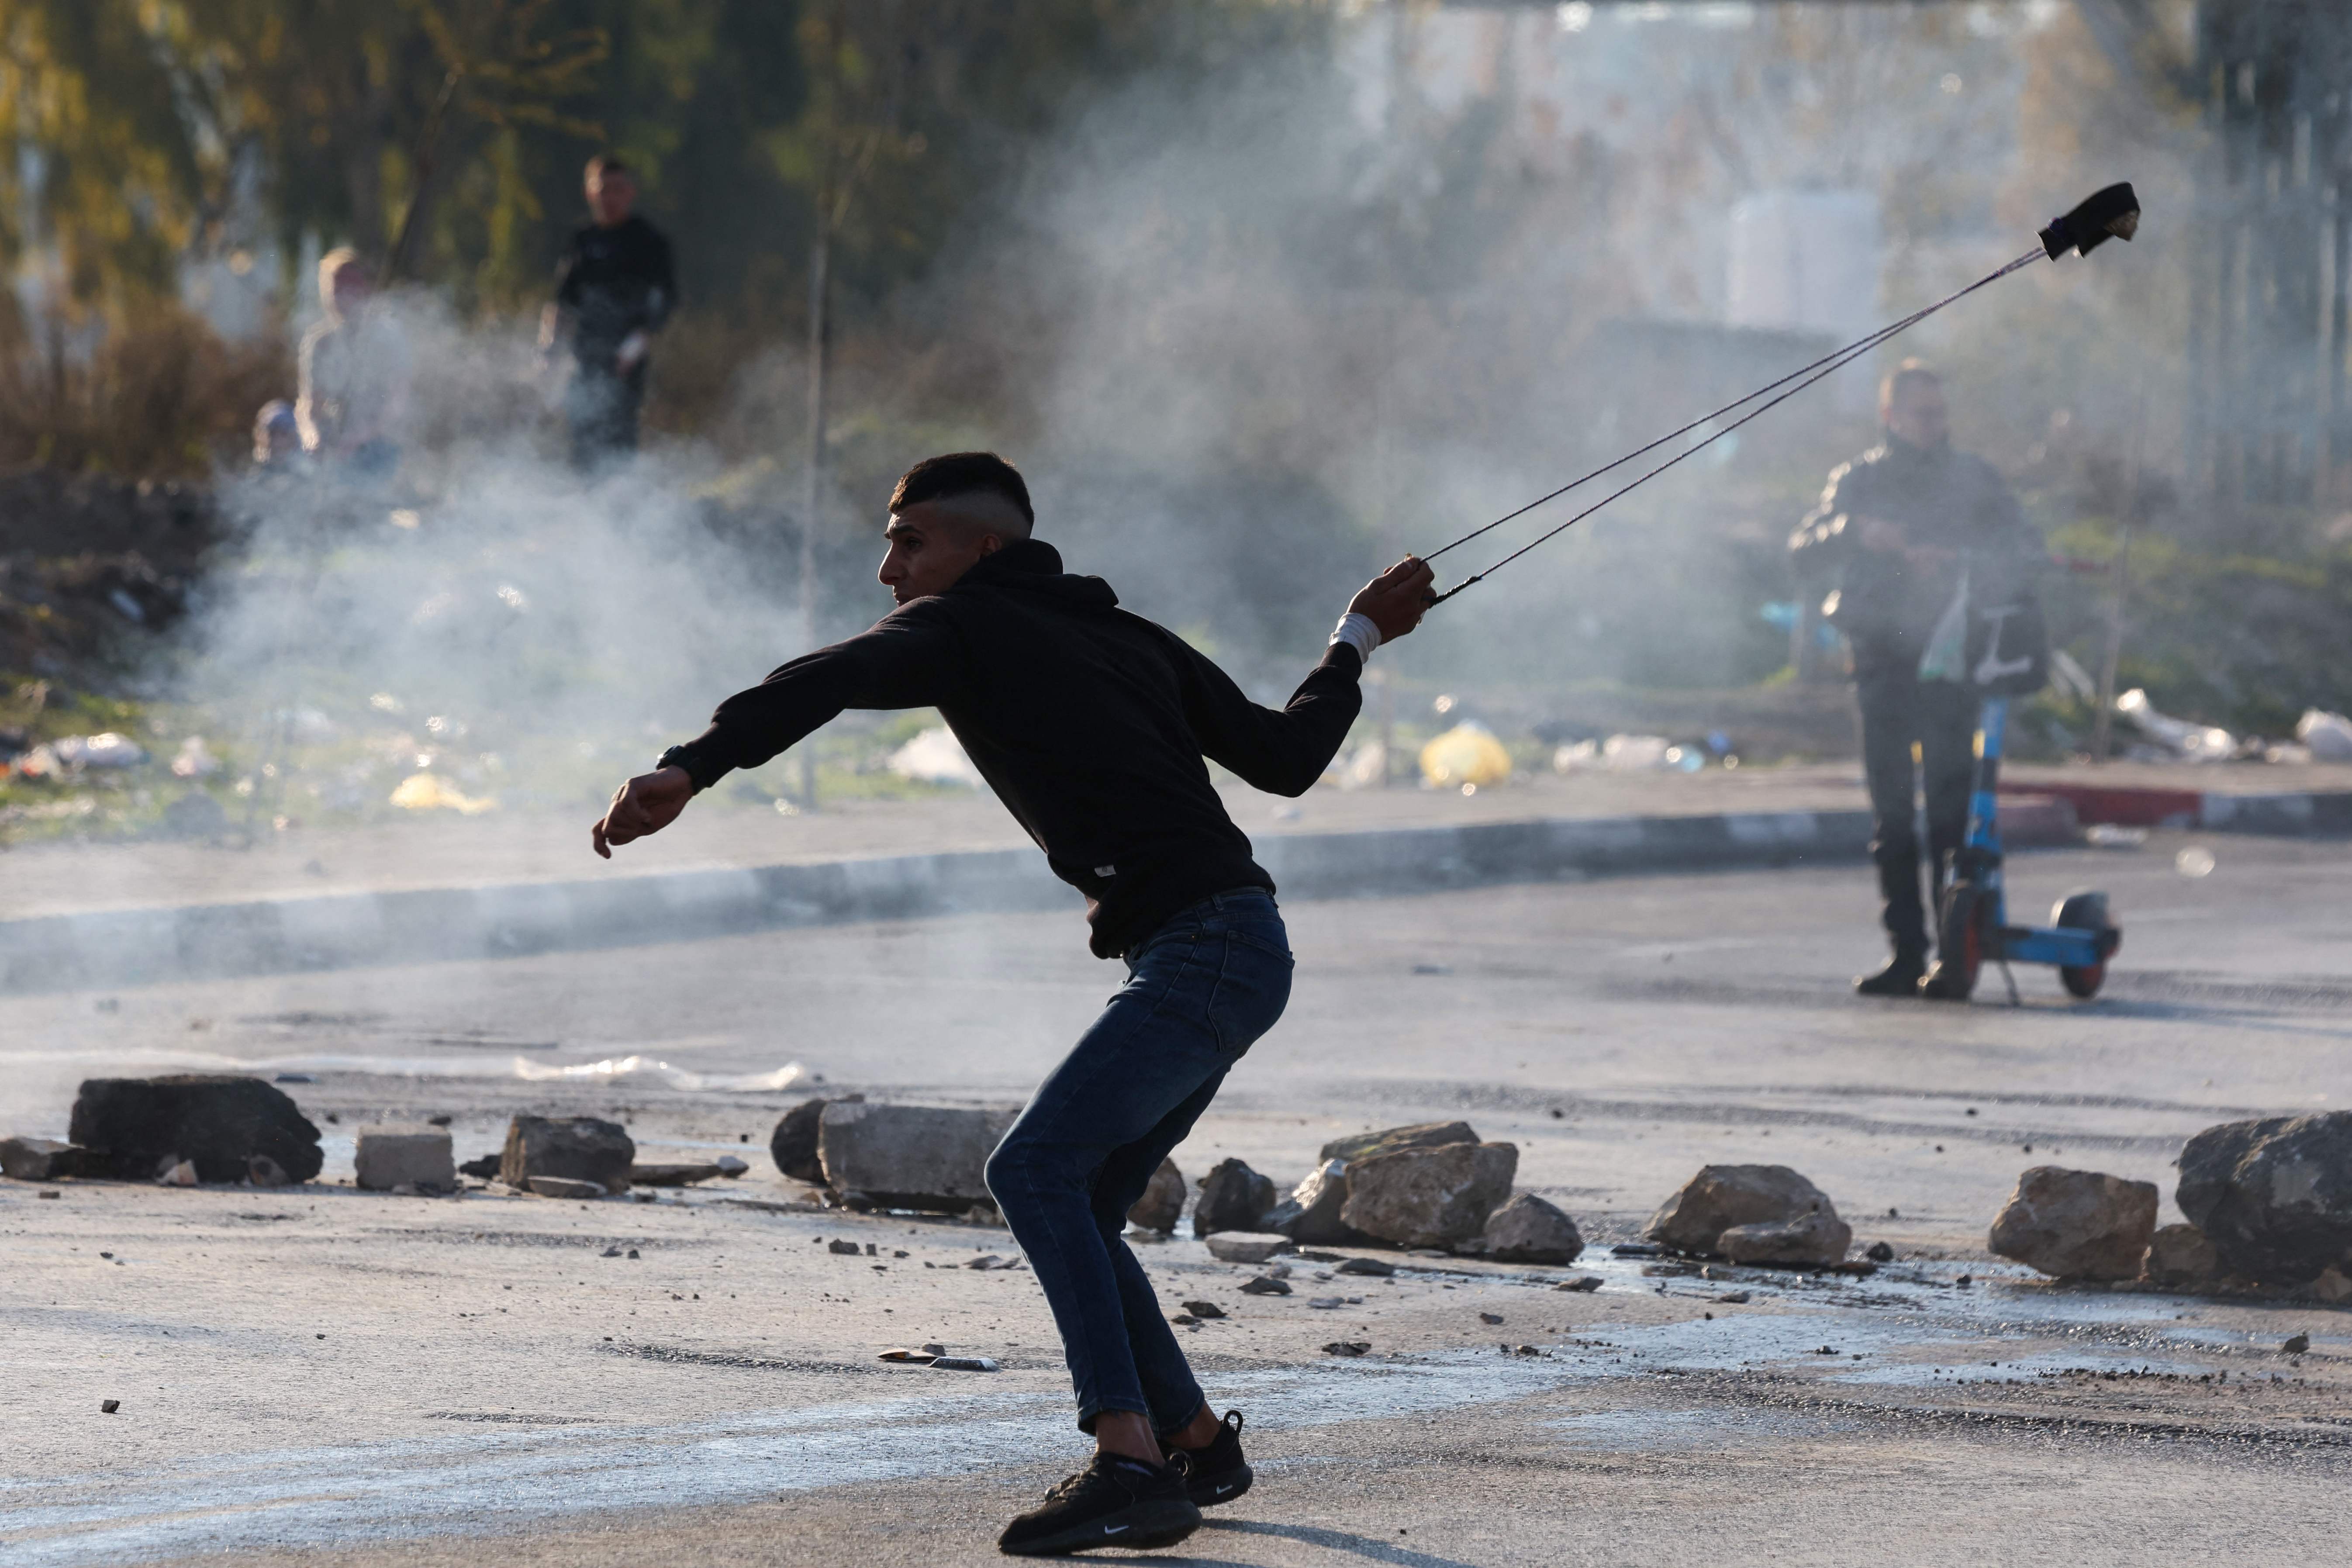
2113 211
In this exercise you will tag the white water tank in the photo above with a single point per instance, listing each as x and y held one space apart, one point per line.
1805 260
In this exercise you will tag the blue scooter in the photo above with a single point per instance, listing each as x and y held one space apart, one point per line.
2080 938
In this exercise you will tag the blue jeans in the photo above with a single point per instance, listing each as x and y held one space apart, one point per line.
1199 991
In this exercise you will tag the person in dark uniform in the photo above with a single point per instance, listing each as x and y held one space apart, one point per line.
1890 544
614 291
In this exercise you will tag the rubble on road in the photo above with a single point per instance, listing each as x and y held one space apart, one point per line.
963 1363
1203 1309
1311 1214
1816 1237
1348 1347
216 1121
1232 1197
2180 1257
1267 1285
1248 1246
1421 1135
396 1155
672 1176
484 1169
792 1145
1719 1197
1417 1196
1378 1267
1162 1203
730 1167
571 1148
1530 1229
2077 1225
566 1187
928 1157
1587 1283
2275 1195
39 1159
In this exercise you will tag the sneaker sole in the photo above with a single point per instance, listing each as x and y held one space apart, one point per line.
1208 1491
1143 1528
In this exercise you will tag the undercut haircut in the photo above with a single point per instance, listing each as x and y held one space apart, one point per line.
957 474
1909 371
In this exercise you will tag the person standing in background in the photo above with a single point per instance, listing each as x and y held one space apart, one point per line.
1892 541
614 291
352 372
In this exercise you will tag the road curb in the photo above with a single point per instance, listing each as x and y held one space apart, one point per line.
329 932
2280 813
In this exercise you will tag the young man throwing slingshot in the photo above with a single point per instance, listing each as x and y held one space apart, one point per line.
1091 725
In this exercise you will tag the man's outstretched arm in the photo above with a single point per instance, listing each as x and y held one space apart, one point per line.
1284 750
910 659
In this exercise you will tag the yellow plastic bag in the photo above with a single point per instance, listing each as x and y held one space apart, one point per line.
1469 754
429 792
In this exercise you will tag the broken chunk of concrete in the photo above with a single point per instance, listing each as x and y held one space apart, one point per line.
929 1157
792 1145
571 1148
1421 1135
484 1169
1162 1203
38 1158
1203 1309
2275 1196
1232 1197
1267 1285
218 1122
1587 1283
731 1167
2077 1225
1816 1237
396 1154
2179 1259
1312 1214
1722 1197
1530 1229
672 1176
1419 1195
1248 1246
565 1187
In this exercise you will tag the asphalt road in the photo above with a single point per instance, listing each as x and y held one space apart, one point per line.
1623 1032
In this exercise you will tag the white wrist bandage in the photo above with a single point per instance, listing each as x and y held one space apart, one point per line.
1358 633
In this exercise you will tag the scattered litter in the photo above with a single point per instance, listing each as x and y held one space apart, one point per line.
1525 1350
615 1068
900 1353
963 1363
2326 736
177 1174
2192 743
2114 836
1469 754
1267 1285
565 1187
1347 1347
194 761
2194 862
1586 1282
429 792
107 749
1204 1308
936 756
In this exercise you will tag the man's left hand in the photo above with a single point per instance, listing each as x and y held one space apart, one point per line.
646 804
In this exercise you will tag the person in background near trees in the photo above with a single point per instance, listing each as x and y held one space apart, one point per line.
354 372
277 436
1091 724
614 291
1889 543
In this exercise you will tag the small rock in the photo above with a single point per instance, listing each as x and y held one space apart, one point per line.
1529 1229
1162 1203
1185 1320
484 1169
1312 1214
52 1192
108 1406
2297 1344
1327 1303
962 1363
1248 1246
2180 1257
439 1120
730 1167
1880 1252
1816 1237
1429 1196
1348 1347
1490 1317
610 1252
1232 1197
177 1174
1204 1308
2077 1225
1587 1283
1421 1135
38 1158
680 1175
1267 1285
565 1187
1723 1196
261 1170
394 1155
1733 1298
573 1149
1379 1268
850 1249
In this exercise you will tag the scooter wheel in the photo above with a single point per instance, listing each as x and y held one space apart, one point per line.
2084 982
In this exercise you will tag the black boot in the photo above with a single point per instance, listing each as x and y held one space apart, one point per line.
1900 977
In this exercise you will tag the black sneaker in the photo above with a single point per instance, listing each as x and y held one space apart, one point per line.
1900 977
1219 1472
1114 1502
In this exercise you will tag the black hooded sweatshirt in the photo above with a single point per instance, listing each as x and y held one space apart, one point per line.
1089 722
